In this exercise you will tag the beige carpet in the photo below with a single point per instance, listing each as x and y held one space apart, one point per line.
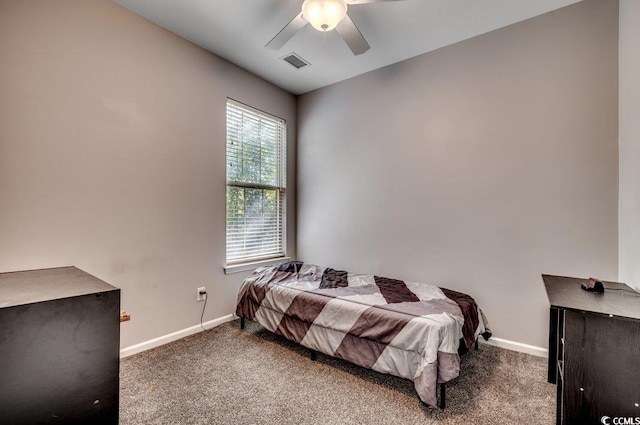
232 376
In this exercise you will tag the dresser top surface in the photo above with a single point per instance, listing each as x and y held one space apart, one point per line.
33 286
618 299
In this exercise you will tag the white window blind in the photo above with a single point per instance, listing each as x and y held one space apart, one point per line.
256 166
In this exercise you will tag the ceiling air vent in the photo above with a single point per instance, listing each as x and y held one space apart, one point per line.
295 60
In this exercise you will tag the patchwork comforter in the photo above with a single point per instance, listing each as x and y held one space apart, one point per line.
407 329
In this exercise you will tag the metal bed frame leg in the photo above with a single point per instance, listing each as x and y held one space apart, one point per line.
443 387
242 323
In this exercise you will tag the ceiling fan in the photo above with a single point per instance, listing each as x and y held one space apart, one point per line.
325 15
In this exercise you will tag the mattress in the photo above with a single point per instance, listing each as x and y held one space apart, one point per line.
407 329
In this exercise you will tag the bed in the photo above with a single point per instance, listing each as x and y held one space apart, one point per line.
412 330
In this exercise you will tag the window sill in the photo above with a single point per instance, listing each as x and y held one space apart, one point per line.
243 267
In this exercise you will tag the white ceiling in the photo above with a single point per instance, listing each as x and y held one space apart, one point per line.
238 30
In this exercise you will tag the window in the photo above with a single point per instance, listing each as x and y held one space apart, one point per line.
256 196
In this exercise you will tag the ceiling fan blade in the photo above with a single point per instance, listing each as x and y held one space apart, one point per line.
352 36
350 2
287 32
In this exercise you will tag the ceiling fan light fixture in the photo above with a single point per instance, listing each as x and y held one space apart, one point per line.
324 15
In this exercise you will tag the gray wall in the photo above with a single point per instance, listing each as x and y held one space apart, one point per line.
629 264
112 147
476 167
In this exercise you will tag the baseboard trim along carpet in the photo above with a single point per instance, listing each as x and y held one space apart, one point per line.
517 346
165 339
174 336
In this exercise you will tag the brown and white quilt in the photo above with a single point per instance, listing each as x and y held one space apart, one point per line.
407 329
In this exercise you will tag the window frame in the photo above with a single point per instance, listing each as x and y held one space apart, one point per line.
235 109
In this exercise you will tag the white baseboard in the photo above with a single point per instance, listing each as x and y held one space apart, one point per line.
516 346
165 339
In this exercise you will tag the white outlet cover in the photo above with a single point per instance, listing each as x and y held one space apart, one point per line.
201 297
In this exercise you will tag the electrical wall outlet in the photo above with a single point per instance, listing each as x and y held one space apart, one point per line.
201 294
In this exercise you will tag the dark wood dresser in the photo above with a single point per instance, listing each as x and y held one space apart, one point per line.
59 348
594 352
